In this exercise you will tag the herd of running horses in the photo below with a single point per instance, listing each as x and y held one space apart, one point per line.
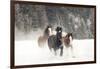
56 39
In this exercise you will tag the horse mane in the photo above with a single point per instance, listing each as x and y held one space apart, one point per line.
69 34
46 31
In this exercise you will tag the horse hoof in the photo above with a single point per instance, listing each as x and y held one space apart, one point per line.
73 57
61 54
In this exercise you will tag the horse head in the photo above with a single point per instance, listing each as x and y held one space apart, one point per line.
48 30
59 32
68 38
58 29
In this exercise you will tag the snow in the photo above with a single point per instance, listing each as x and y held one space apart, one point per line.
28 52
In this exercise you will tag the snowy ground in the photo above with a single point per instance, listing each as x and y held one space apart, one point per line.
28 52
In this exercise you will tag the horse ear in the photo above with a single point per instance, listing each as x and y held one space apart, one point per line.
49 26
60 28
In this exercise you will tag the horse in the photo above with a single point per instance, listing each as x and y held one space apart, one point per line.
42 39
67 41
54 41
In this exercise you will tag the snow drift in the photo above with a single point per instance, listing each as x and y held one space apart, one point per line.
28 52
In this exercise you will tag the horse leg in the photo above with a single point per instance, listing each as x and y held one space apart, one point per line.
61 52
72 52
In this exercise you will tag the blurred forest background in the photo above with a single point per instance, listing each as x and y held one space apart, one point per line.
77 20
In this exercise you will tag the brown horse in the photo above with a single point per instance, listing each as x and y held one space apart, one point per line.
42 39
67 41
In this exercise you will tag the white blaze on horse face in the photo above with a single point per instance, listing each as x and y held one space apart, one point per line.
70 40
49 31
59 31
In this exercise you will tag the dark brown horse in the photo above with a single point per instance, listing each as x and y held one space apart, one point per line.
54 41
42 39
